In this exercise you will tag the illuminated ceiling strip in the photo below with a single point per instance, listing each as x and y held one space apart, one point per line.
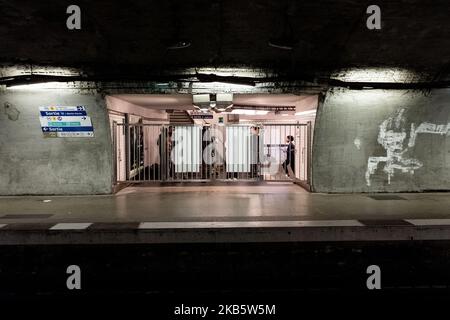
270 108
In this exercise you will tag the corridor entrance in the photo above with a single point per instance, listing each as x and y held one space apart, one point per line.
197 153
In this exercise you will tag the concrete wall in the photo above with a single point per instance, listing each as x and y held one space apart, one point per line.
382 141
32 164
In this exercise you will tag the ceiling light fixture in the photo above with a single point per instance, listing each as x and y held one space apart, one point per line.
177 41
220 102
250 112
306 113
41 86
285 40
179 44
282 43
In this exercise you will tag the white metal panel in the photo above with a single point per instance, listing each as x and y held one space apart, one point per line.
237 149
186 154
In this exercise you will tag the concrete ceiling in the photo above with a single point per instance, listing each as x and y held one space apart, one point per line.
131 37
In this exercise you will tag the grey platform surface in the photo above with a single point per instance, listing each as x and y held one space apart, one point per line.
270 212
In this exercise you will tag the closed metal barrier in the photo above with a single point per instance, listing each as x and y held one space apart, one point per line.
179 153
287 145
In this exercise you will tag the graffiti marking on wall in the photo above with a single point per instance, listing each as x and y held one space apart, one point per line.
392 136
357 143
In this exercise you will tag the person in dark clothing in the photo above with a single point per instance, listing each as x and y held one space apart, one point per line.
290 155
254 148
165 144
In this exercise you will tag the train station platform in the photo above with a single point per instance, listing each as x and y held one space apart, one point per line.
272 212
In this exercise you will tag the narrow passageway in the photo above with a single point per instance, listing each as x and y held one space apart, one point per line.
211 137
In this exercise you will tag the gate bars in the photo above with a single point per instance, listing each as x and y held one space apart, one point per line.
182 153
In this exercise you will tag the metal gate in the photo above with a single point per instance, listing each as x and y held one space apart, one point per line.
182 153
288 146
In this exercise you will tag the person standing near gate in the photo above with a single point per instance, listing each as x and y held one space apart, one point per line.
170 146
290 155
165 144
254 141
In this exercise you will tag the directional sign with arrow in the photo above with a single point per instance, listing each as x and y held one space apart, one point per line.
65 122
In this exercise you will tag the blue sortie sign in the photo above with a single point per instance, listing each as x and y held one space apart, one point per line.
65 122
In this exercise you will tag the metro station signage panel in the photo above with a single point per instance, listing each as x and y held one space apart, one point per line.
65 122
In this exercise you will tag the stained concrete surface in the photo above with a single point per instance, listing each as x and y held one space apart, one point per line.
132 38
374 141
270 202
32 164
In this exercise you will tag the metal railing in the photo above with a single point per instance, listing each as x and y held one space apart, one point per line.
233 152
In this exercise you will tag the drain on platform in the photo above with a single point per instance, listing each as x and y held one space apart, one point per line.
387 197
26 216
